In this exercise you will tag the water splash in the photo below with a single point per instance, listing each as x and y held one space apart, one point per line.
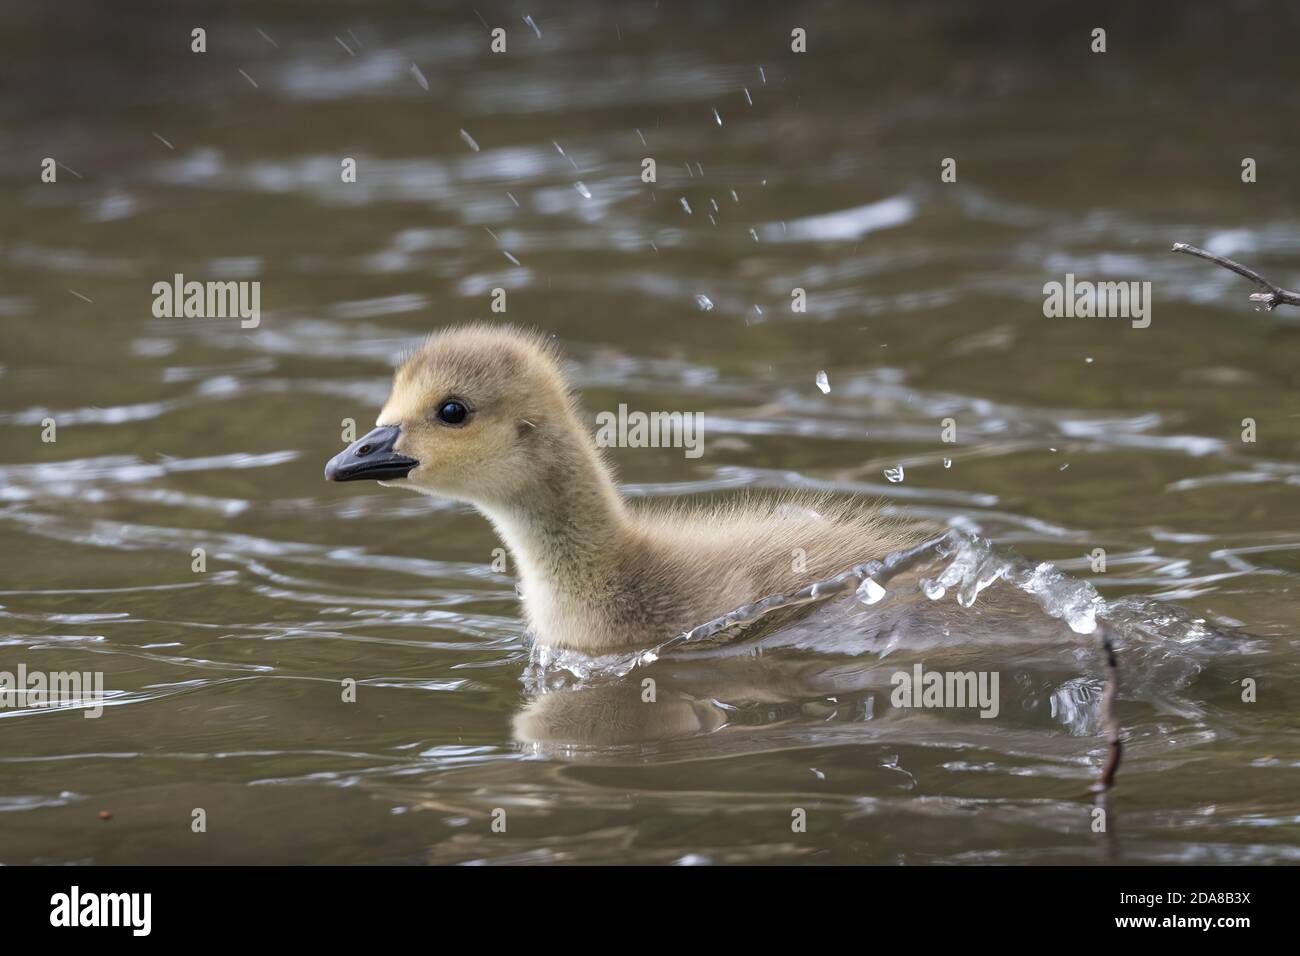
972 568
1075 602
1156 637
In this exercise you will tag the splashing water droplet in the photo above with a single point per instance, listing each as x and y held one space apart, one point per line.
947 463
469 140
686 206
823 382
704 302
979 577
869 592
1075 602
717 117
932 589
582 190
894 474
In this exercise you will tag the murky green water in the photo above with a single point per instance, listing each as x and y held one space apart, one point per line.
818 171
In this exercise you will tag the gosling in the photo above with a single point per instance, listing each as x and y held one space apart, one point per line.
483 414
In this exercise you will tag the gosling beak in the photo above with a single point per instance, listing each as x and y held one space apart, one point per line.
372 457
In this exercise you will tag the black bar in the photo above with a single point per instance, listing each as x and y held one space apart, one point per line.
444 906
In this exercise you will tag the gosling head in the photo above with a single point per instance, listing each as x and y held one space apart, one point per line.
470 416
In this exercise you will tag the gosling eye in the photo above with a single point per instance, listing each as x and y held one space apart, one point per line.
453 412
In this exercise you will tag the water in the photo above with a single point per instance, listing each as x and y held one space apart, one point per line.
924 302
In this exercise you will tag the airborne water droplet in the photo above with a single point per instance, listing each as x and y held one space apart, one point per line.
469 140
583 190
686 206
704 302
823 382
894 474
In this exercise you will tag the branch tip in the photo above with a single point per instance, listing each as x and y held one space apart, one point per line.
1272 297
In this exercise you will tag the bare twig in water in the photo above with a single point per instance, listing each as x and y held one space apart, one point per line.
1109 720
1108 837
1272 298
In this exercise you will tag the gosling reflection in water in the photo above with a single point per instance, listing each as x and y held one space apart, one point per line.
615 714
676 700
838 666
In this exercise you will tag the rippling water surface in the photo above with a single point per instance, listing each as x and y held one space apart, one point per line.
521 171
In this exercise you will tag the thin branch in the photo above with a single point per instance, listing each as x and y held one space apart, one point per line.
1109 719
1272 298
1108 837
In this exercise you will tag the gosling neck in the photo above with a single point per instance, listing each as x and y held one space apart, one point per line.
565 528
